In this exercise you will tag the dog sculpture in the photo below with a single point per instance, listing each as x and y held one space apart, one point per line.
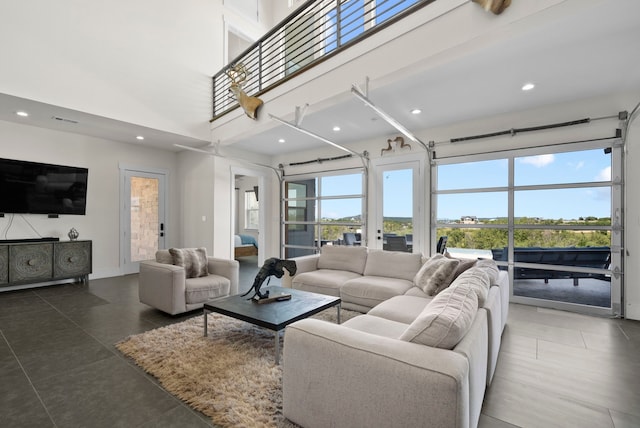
271 267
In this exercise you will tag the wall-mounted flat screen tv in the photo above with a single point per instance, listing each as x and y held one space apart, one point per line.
40 188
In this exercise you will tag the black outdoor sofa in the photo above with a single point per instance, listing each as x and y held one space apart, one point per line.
590 257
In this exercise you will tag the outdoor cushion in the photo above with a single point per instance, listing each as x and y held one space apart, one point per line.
445 321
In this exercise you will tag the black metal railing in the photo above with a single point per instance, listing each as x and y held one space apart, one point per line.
316 31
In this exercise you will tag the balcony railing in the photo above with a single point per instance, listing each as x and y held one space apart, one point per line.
315 32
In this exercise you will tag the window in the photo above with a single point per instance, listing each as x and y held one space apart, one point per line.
320 209
547 215
251 210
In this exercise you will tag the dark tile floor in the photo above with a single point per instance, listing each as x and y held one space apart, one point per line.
59 367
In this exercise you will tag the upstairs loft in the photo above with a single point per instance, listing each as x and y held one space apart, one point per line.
428 53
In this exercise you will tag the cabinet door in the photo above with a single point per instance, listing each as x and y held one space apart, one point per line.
30 263
72 259
4 264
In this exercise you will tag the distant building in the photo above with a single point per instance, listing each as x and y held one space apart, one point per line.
469 219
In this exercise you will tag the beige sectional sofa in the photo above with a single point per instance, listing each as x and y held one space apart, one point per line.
411 360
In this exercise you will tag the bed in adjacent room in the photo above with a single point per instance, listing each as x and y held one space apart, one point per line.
245 245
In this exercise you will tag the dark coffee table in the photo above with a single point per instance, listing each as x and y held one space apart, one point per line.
276 315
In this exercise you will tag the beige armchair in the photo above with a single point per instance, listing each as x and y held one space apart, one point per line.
165 286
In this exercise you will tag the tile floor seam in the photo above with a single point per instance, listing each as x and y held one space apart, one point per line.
26 375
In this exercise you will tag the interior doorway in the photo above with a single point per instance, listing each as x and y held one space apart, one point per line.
248 216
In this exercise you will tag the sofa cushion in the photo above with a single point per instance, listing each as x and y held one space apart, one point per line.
478 280
338 257
444 321
393 264
376 325
404 309
323 281
194 261
436 274
202 289
368 291
490 267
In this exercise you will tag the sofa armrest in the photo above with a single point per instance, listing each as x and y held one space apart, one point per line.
162 286
303 264
378 381
228 268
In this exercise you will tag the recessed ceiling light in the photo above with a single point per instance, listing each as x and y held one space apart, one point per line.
22 113
281 140
139 137
336 128
528 86
416 111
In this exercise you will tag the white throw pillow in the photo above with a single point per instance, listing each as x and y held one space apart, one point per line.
445 320
436 274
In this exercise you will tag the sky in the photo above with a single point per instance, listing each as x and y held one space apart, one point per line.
560 168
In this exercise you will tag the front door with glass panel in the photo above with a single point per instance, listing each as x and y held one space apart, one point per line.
144 226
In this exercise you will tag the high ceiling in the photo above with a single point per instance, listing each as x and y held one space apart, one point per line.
590 53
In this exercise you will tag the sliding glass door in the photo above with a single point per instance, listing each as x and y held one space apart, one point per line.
551 217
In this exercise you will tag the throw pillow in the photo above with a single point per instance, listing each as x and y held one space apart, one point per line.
436 274
194 261
445 320
463 266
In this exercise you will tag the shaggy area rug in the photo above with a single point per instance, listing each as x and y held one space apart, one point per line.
230 375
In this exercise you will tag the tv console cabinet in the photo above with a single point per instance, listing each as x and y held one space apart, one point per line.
43 261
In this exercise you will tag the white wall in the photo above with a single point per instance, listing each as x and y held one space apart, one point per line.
101 224
144 62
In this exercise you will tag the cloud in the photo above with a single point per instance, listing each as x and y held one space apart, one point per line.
604 175
538 161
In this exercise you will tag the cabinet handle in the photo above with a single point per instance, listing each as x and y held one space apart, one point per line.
72 259
32 262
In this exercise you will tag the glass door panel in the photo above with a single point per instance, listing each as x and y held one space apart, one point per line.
144 208
143 217
398 209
